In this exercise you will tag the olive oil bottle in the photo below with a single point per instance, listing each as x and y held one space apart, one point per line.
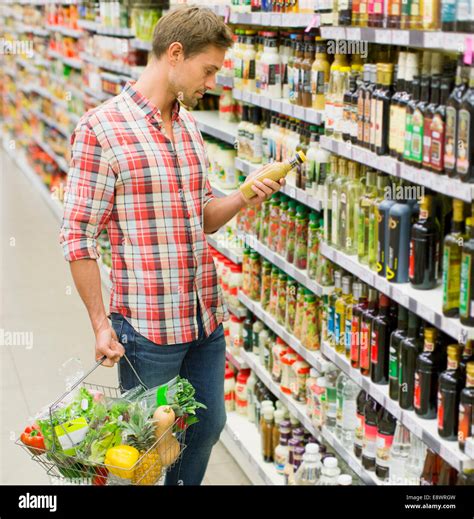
466 301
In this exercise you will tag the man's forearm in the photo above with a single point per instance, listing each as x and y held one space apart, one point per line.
86 275
220 210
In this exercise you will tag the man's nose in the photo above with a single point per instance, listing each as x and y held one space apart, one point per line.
211 83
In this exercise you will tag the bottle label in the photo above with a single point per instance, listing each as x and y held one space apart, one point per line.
450 138
440 411
437 143
417 392
355 336
349 415
348 333
448 11
394 243
393 364
337 329
401 123
359 431
411 263
392 127
466 426
317 82
464 300
383 445
370 441
417 137
408 136
364 345
374 347
462 161
331 313
427 141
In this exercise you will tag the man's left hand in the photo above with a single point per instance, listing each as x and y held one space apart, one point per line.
264 189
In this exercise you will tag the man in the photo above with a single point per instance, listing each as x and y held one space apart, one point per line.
138 168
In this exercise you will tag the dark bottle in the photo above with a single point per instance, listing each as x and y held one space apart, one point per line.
431 469
248 331
366 332
383 109
411 69
467 356
410 110
448 15
385 432
345 12
448 475
449 392
466 478
452 253
452 107
424 248
377 78
369 449
360 296
466 407
383 235
465 134
428 368
418 122
382 327
410 348
400 216
428 119
354 132
438 128
466 300
397 336
394 14
348 109
395 110
359 432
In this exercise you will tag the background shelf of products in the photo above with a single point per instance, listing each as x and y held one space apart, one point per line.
78 59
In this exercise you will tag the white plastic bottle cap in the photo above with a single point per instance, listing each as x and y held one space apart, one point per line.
321 382
330 463
267 403
312 448
268 413
344 480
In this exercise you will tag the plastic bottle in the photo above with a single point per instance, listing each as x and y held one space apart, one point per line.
319 75
399 454
271 68
330 472
309 471
349 422
331 397
251 381
344 480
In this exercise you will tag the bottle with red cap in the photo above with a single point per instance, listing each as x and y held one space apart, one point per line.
229 390
288 375
241 391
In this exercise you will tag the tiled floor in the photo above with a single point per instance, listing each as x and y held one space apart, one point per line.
38 297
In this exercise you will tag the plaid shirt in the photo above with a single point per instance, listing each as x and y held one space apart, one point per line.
125 175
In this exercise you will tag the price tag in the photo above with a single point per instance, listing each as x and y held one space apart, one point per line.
400 37
433 40
313 116
246 96
353 33
266 19
276 105
359 155
265 102
383 36
299 112
468 45
291 191
286 108
426 313
314 22
469 447
256 18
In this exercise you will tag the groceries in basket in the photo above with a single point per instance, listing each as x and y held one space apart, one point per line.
126 439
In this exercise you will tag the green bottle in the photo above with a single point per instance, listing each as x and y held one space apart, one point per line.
283 232
365 204
330 179
382 183
351 192
313 245
337 225
291 238
264 221
274 223
301 241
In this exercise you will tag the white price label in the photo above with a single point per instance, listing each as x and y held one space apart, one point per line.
266 19
383 36
246 96
433 40
353 33
265 102
276 105
286 109
400 37
291 191
339 33
313 116
299 112
358 154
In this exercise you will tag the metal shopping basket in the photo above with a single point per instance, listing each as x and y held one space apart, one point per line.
72 469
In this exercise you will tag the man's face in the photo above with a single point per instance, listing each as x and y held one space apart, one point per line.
192 77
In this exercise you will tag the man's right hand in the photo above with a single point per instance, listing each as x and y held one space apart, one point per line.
106 343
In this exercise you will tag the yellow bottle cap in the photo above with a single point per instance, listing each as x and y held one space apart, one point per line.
301 156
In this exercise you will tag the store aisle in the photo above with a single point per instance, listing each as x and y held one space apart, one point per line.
44 324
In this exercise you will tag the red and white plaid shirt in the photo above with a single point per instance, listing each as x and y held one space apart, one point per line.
125 175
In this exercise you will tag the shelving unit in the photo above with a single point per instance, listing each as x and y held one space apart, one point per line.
427 304
210 123
236 361
298 410
223 249
440 183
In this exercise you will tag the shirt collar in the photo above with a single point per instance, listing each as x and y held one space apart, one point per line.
146 106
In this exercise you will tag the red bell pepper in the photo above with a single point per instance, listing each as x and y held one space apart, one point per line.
100 478
33 439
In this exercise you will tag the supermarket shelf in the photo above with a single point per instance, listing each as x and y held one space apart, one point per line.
218 191
298 410
242 440
237 362
9 71
225 81
229 253
72 62
27 65
61 162
425 303
54 205
141 45
106 31
51 123
238 312
299 275
426 430
100 96
281 106
65 31
448 41
209 122
295 20
43 92
294 192
440 183
310 357
124 70
37 31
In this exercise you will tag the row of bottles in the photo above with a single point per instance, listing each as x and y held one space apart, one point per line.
424 370
416 115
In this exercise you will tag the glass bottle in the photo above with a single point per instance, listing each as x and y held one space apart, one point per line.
366 332
350 393
382 327
465 134
396 338
410 348
291 240
340 315
399 454
466 408
365 204
383 108
386 425
360 418
449 390
400 215
414 463
369 449
438 128
319 75
428 120
431 469
332 307
418 122
382 184
331 397
360 305
410 110
466 299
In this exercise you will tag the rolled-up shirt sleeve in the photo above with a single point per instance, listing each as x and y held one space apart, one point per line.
89 196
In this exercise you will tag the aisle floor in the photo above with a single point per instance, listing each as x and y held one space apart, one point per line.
39 299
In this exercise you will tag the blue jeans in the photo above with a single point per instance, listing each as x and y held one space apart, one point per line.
202 362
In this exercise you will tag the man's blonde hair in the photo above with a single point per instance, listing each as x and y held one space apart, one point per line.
194 27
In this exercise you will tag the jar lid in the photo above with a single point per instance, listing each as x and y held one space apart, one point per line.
330 462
